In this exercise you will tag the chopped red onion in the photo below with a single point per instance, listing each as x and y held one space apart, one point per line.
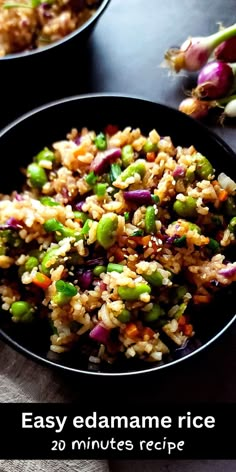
96 261
12 223
18 197
103 159
77 140
141 197
100 334
85 279
79 205
179 171
228 272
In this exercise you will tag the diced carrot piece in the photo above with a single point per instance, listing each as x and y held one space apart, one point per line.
131 330
145 240
150 156
215 182
81 149
148 332
188 330
41 280
223 195
201 299
182 320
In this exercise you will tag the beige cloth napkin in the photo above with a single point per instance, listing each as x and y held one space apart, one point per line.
22 380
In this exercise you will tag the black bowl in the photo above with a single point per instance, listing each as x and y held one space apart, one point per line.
23 138
37 57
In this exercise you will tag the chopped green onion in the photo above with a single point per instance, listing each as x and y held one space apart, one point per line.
100 142
137 232
91 178
101 189
126 216
115 267
66 288
155 198
48 201
115 172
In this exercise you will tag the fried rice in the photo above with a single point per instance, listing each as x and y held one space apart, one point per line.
30 24
114 239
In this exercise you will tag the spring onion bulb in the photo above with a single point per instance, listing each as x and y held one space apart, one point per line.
196 108
226 51
195 52
215 80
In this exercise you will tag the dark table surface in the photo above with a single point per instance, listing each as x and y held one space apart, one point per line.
124 54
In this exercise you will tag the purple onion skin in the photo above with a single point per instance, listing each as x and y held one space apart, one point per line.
228 272
18 197
95 262
141 197
100 334
179 172
79 206
215 80
103 159
12 223
85 279
226 51
78 140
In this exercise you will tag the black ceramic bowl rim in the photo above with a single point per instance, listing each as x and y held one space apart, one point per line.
68 37
47 362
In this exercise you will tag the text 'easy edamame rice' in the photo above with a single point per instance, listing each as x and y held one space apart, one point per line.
114 239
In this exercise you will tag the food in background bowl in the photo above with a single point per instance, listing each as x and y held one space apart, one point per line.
31 24
117 236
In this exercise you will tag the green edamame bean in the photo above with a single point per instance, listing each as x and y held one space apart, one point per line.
154 279
127 155
37 175
54 225
124 316
115 267
45 155
149 146
150 221
153 314
100 142
31 263
133 293
187 208
190 175
137 167
204 168
106 230
50 260
22 311
49 201
98 270
232 225
230 206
